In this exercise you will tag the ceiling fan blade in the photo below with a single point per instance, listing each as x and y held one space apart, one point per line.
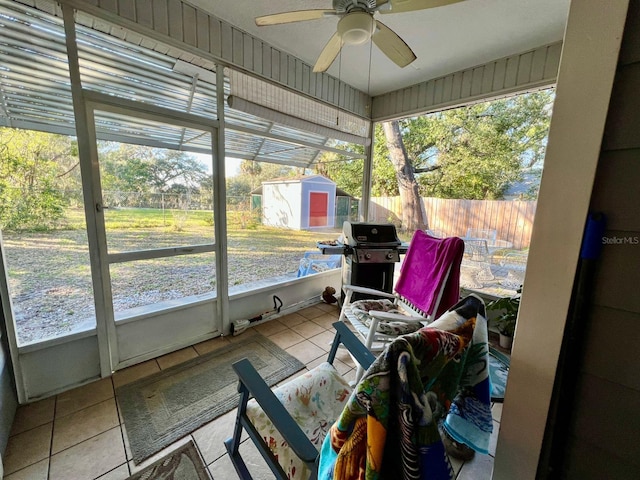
290 17
399 6
328 54
392 45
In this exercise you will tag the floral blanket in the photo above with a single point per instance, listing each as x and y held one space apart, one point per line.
389 426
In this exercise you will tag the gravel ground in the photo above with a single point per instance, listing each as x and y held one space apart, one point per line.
50 280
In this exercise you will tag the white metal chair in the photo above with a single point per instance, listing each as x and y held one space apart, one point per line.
428 284
288 425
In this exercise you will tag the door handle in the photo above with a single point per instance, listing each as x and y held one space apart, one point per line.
100 207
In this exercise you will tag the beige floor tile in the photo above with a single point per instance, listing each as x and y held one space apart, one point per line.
242 337
89 459
211 345
457 465
37 471
329 308
223 468
27 448
210 437
324 339
83 424
480 468
292 319
308 329
341 367
33 415
326 320
496 411
286 338
349 376
135 372
316 362
175 358
344 357
306 351
311 312
493 440
118 473
82 397
271 327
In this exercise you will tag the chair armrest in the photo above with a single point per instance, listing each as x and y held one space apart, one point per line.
276 412
370 291
360 353
395 317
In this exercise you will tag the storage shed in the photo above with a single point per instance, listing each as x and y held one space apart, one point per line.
299 203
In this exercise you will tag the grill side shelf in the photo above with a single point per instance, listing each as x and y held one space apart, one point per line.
335 250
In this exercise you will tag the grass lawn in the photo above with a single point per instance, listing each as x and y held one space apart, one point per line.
50 276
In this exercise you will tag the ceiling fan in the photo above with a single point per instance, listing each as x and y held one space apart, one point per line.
357 25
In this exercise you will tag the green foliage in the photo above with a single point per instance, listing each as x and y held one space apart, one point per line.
346 172
30 166
137 168
473 152
508 308
478 151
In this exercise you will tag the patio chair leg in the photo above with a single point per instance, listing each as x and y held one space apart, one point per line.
233 444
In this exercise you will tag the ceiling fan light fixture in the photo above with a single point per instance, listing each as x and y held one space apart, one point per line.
356 28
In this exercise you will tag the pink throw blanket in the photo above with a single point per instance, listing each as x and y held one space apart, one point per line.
425 269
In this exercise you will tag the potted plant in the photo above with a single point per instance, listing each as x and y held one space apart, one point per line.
507 314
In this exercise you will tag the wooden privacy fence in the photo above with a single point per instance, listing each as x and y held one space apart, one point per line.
512 219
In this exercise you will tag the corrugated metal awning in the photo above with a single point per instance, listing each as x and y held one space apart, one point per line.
35 91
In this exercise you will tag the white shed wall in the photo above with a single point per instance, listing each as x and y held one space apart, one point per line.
281 205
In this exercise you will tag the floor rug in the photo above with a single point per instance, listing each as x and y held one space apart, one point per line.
159 409
184 463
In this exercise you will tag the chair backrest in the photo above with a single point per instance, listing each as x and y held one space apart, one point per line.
489 235
429 279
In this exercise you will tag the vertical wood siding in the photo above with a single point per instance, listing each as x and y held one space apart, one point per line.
512 220
609 382
530 70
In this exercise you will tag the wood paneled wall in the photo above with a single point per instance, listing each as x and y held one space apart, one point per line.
515 74
604 430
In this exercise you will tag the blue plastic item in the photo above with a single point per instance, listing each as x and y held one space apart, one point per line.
316 262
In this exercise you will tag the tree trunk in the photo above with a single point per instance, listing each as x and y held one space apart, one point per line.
413 217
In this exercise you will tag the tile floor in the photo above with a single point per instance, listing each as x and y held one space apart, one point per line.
79 434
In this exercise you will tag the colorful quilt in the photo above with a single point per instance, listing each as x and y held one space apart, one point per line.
437 375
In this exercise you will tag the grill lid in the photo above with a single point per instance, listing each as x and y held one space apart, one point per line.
372 235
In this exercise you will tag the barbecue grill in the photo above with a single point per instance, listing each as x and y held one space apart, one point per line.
371 251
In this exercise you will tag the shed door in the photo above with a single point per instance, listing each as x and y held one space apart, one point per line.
318 209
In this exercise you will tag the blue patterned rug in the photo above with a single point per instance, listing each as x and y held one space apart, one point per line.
498 371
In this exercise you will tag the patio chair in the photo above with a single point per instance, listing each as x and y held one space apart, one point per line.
424 387
515 265
489 235
428 284
476 263
288 425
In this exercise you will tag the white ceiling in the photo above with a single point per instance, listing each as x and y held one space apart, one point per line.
445 39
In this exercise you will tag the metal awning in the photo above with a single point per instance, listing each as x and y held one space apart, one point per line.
35 90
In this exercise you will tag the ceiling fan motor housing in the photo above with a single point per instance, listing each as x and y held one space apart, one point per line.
356 28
